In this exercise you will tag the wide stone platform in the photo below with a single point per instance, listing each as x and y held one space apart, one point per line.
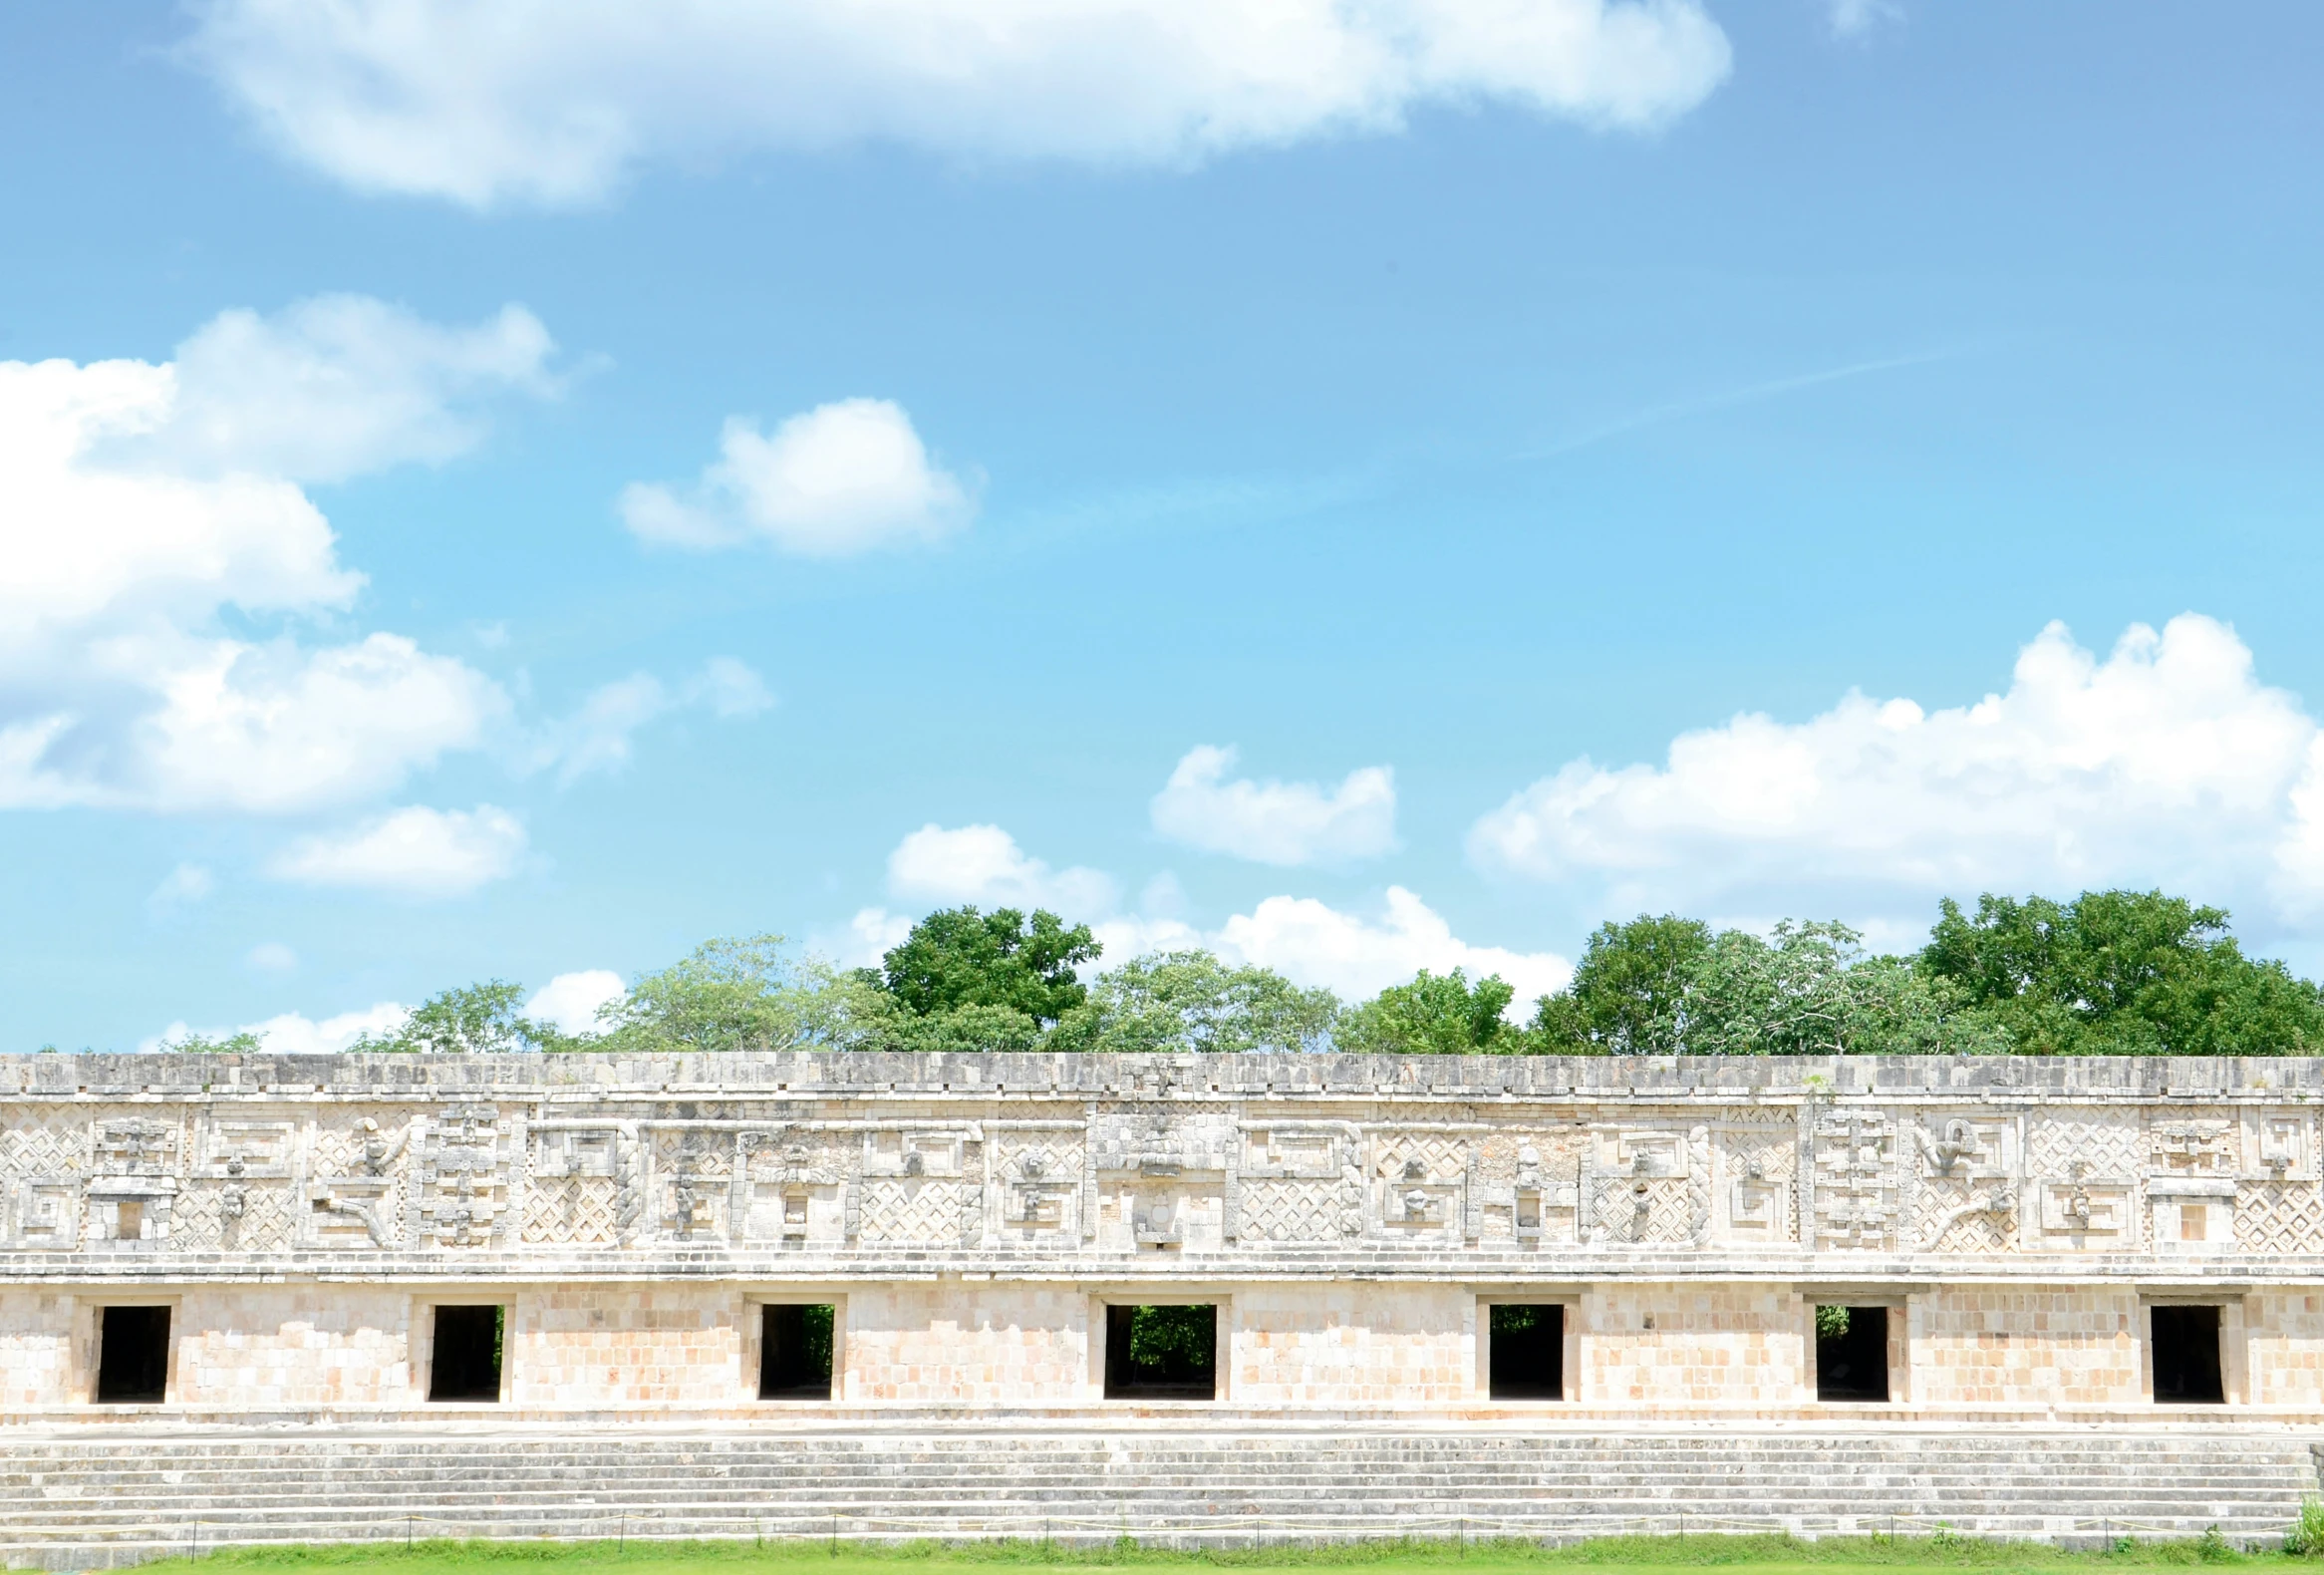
72 1502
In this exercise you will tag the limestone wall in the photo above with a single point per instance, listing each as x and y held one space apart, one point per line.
972 1216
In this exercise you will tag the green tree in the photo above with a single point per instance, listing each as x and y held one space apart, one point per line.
960 957
479 1019
1628 994
749 993
1810 989
243 1043
1190 1001
1434 1015
2122 973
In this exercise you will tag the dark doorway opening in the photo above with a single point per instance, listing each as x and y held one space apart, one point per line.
133 1354
2186 1356
794 1353
1852 1353
1161 1353
1526 1353
467 1364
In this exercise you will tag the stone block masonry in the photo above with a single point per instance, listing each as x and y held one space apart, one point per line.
1352 1220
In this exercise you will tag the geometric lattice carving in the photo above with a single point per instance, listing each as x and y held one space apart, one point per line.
573 1210
1646 1210
2279 1217
2106 1143
1287 1211
915 1210
1961 1214
230 1217
43 1143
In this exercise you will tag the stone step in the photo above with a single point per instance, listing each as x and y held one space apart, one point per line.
83 1502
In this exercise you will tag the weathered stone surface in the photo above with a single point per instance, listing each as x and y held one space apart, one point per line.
970 1216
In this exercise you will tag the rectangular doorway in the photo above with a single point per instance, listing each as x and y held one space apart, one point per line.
1525 1352
2186 1356
795 1352
1852 1353
1162 1353
467 1360
133 1354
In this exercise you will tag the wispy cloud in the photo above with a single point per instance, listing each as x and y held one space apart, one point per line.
1729 399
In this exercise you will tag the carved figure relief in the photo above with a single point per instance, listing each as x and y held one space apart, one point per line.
352 1199
1420 1185
1038 1198
792 1182
1757 1167
1162 1180
1970 1167
134 1183
463 1184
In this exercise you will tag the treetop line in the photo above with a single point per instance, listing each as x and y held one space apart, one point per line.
2108 973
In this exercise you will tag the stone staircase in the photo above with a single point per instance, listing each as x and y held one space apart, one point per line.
75 1502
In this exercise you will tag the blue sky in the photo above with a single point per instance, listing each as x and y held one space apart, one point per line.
1448 414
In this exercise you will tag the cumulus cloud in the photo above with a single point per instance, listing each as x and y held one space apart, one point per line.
2166 762
140 502
598 736
569 1002
342 385
1276 822
1313 944
293 1034
845 478
413 852
551 101
983 864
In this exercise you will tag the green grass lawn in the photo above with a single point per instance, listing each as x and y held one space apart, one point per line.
1768 1556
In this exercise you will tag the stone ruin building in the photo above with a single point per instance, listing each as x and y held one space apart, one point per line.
314 1297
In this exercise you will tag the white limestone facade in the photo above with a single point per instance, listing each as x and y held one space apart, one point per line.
2015 1223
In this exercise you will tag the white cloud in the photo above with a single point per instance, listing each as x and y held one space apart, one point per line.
1856 18
983 864
598 736
140 503
2168 762
869 937
291 1033
341 385
1311 943
1307 941
569 1002
845 478
1276 822
414 851
551 101
271 957
184 888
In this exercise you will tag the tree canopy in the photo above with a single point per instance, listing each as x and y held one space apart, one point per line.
2120 973
2109 971
960 957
